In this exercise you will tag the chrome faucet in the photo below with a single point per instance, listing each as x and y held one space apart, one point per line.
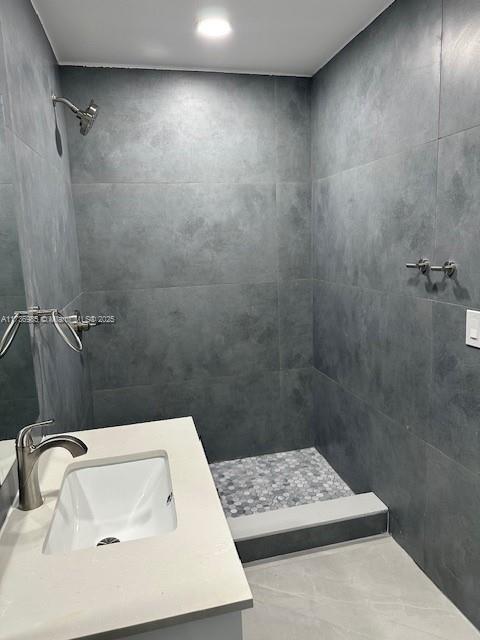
28 454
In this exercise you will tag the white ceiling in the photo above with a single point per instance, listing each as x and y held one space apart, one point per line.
291 37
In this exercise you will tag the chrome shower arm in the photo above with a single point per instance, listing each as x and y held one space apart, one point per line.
66 102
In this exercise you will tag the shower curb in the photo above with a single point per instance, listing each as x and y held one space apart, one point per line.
273 533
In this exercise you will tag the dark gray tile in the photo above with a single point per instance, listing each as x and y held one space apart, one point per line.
182 333
404 389
32 78
455 427
377 346
294 215
7 169
16 412
341 424
370 221
348 331
173 127
295 323
128 405
372 453
380 94
292 115
64 385
452 531
138 236
457 232
235 416
4 104
459 108
11 275
296 406
16 370
399 479
47 231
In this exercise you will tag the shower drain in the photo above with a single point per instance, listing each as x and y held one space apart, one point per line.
109 540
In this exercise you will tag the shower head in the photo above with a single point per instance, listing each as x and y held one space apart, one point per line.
86 117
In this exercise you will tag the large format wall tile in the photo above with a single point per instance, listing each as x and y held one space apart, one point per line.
399 479
455 424
380 94
395 394
377 346
47 231
295 324
342 431
452 531
7 161
296 406
371 220
32 78
294 219
373 453
458 233
348 336
236 416
292 120
34 160
193 202
460 108
16 370
173 127
182 333
11 276
137 236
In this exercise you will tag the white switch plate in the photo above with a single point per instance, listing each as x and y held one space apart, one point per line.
473 329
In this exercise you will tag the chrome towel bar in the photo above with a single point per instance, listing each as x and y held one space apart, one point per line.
68 327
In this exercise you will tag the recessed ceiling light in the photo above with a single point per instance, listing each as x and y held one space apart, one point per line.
214 28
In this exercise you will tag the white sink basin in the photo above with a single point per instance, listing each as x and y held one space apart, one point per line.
124 500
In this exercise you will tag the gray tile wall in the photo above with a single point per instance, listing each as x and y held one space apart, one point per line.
42 206
18 402
396 143
192 197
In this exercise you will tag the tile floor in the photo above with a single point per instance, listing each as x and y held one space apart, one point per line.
361 591
275 481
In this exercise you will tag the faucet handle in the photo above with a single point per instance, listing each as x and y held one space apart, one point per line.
24 437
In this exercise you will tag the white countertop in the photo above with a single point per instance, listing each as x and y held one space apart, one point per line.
135 586
7 457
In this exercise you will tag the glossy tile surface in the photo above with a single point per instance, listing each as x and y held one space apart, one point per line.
362 590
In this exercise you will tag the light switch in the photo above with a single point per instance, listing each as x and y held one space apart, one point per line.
473 329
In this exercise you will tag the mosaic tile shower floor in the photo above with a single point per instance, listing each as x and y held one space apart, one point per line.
275 481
